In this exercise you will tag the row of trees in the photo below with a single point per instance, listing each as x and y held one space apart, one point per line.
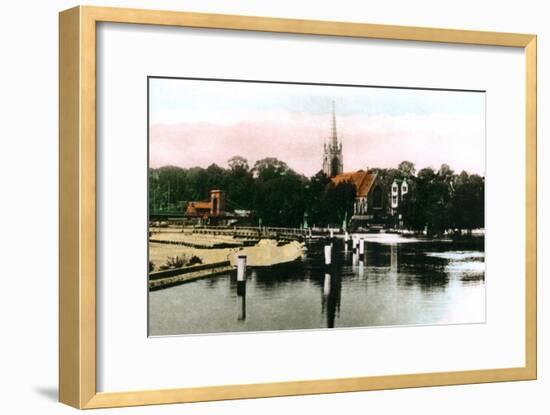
279 196
442 200
276 194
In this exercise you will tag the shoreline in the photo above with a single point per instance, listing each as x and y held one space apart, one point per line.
267 252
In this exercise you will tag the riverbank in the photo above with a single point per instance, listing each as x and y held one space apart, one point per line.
266 252
410 237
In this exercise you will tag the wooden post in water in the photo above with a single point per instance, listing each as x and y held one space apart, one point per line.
346 241
328 255
361 249
241 268
241 275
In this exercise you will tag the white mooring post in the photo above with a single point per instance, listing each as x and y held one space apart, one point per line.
241 268
361 247
328 254
346 241
331 233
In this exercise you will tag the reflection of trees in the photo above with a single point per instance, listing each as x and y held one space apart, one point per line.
410 263
378 255
383 256
427 272
426 282
272 277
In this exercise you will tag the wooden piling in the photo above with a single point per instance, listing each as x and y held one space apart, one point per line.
328 254
241 268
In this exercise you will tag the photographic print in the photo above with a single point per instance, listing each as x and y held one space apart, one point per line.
293 206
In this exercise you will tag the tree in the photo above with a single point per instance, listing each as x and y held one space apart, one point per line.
338 201
445 172
269 168
279 199
315 189
436 201
240 184
238 163
166 185
406 168
428 206
468 204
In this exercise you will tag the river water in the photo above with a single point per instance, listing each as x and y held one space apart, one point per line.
400 282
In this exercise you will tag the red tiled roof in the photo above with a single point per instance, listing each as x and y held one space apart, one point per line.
363 181
201 205
197 208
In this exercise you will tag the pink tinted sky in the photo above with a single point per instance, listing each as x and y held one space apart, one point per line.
199 124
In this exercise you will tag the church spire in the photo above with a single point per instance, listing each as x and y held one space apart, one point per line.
334 133
332 151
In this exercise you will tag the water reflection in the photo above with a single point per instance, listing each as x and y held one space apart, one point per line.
241 300
428 282
330 304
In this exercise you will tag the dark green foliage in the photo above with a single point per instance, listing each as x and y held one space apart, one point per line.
315 196
338 202
439 201
407 168
273 192
468 205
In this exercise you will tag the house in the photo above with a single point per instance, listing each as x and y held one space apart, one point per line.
363 182
214 208
215 212
378 198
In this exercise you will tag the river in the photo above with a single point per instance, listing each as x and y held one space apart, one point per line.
400 282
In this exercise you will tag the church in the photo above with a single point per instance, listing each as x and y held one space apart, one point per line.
377 200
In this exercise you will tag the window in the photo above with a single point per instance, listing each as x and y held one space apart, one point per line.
404 189
334 168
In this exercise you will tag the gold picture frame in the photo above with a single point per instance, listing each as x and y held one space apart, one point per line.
77 291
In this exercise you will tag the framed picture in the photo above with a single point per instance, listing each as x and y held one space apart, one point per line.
255 207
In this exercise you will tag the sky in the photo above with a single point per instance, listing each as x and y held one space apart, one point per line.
200 122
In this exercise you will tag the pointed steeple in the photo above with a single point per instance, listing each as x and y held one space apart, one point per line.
334 132
332 150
